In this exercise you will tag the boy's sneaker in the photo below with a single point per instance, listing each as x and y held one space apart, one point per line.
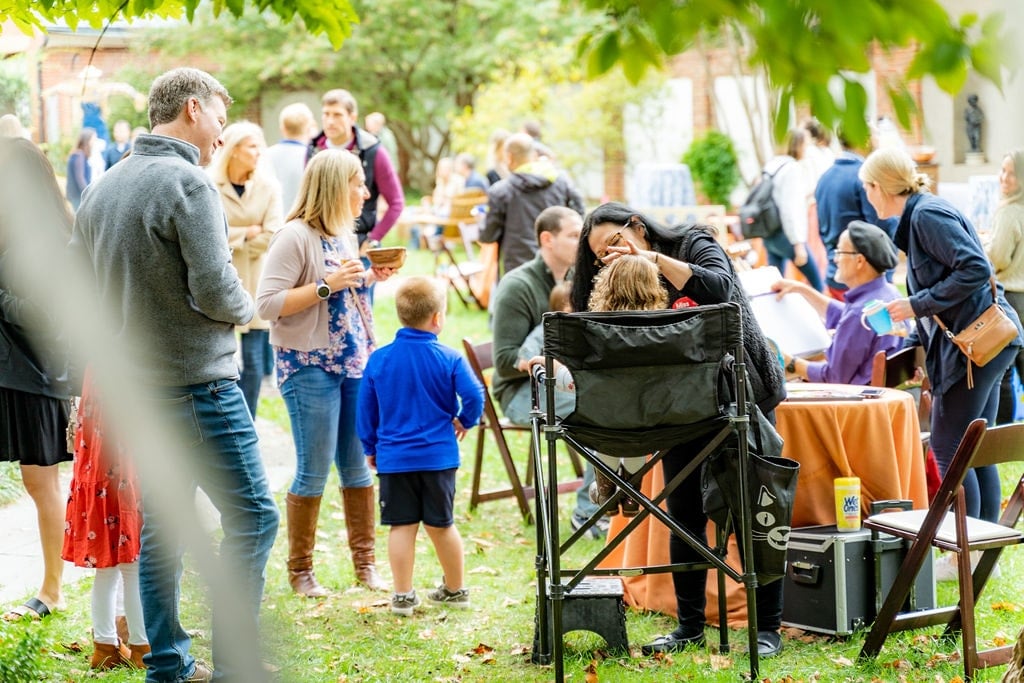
442 596
404 603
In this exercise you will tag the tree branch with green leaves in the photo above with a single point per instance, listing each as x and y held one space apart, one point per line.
804 45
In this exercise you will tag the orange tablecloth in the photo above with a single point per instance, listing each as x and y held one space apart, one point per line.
878 440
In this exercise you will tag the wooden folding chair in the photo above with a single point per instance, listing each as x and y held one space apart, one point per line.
955 532
481 360
460 274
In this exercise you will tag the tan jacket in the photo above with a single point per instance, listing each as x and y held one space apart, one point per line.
260 204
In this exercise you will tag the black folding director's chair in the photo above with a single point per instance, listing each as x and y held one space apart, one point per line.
645 381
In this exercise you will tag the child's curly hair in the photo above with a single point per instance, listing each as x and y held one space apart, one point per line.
629 283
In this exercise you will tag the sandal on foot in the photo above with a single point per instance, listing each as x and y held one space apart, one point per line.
33 608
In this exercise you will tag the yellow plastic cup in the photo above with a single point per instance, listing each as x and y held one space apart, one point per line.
847 503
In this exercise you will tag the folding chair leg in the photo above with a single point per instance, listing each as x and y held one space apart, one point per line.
478 466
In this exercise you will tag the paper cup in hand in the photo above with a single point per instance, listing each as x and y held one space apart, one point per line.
386 257
876 317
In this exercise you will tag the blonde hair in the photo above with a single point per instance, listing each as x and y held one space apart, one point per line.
234 135
895 173
1016 157
296 119
629 283
322 201
417 299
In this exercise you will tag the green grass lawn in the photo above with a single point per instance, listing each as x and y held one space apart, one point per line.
352 636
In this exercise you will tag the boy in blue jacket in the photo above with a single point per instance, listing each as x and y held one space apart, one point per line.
417 400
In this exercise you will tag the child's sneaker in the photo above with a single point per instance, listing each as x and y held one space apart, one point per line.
404 603
442 596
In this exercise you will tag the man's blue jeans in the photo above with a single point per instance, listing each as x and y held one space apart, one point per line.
322 408
224 459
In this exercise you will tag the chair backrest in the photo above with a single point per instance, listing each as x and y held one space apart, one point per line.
481 359
462 206
1005 444
900 368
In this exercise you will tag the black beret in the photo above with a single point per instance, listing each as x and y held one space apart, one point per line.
874 244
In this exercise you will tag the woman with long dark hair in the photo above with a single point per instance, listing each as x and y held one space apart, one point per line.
695 270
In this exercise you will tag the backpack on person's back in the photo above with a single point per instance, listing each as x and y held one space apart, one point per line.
759 215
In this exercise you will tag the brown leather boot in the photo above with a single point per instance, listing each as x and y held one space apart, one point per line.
137 651
303 514
359 519
106 656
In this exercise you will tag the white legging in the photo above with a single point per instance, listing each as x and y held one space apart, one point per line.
105 600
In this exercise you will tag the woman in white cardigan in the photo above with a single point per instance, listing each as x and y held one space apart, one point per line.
252 205
789 190
1006 252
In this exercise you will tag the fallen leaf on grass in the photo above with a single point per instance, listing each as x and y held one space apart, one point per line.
73 646
1000 639
480 542
898 664
842 661
719 662
314 636
483 570
482 649
590 673
461 659
426 634
509 602
521 650
1005 606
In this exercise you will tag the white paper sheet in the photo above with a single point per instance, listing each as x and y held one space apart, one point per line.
790 322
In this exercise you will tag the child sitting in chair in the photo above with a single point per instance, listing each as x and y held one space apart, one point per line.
630 283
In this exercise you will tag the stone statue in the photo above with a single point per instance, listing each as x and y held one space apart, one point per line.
973 116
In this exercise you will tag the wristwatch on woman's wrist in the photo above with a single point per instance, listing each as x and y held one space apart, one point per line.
323 290
791 366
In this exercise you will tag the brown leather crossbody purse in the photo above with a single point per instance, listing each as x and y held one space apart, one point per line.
985 337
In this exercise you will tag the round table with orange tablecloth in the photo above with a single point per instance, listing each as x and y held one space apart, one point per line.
875 439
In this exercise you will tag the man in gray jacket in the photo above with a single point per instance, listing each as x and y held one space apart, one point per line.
153 234
514 203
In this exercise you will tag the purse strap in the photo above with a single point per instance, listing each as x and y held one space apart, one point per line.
995 300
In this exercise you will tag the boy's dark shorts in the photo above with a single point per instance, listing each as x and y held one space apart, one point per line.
414 497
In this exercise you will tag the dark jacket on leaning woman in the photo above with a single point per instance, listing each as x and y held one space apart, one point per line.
947 275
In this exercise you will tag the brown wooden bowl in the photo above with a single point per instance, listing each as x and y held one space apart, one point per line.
386 257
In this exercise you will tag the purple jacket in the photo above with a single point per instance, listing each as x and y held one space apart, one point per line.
848 359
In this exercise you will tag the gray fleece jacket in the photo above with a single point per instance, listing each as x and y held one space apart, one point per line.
153 230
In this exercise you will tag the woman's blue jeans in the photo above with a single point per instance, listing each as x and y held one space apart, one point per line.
221 453
322 408
952 411
254 351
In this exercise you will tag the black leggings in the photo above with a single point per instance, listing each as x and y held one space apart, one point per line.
686 507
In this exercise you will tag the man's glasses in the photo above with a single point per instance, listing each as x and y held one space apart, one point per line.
841 253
